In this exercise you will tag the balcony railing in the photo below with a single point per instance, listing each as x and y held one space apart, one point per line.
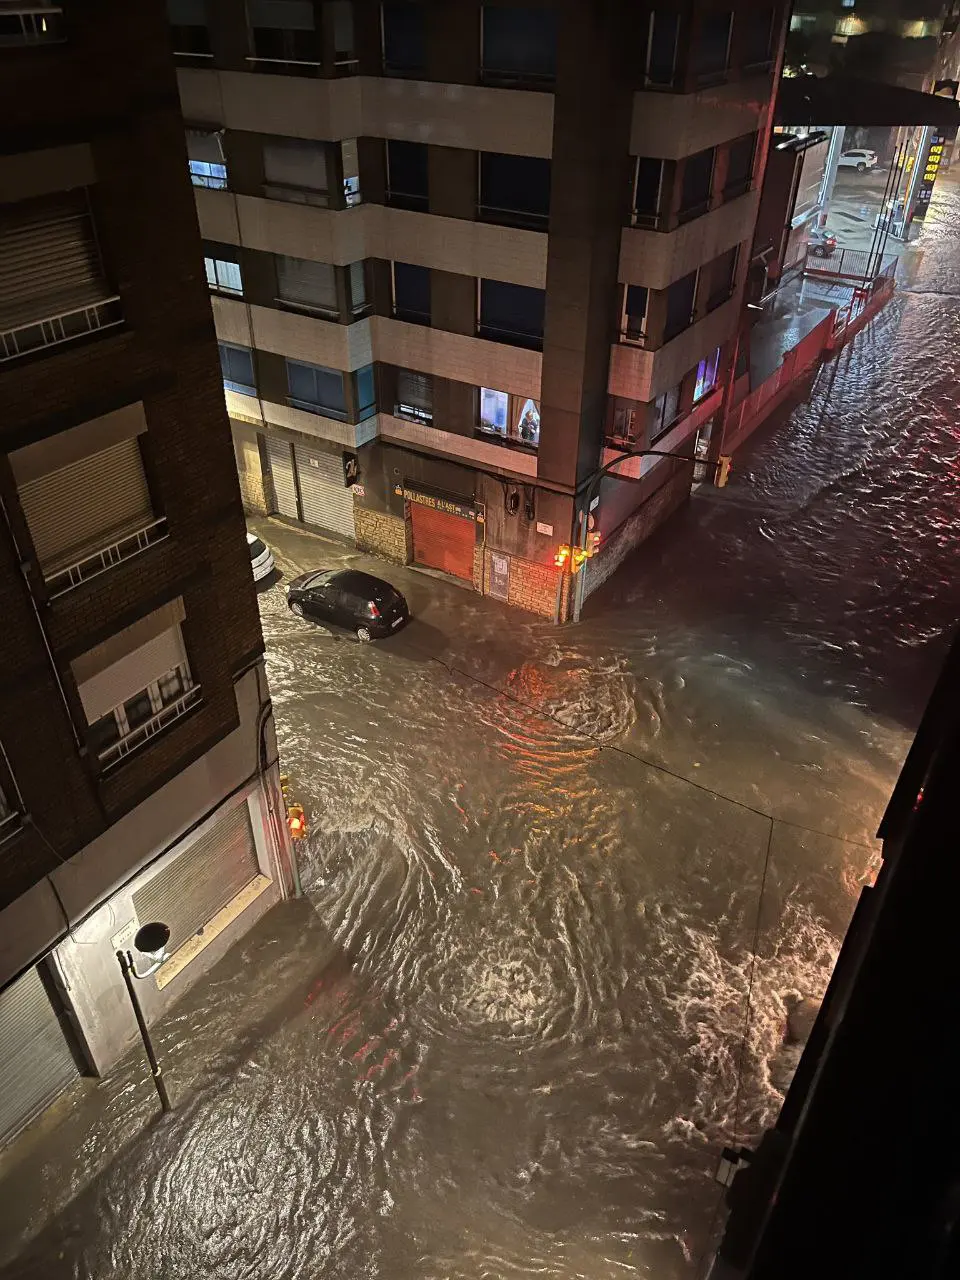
98 562
120 749
30 24
524 218
515 337
64 326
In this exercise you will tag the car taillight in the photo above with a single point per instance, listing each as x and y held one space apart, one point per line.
374 611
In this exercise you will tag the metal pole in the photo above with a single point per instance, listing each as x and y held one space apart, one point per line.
126 965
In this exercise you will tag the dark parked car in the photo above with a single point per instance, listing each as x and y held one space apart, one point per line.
821 244
364 604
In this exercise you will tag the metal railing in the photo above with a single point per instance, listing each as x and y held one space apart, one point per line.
120 749
523 218
848 264
65 326
515 337
91 566
38 24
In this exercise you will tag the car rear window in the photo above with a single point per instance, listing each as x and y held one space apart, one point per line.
257 548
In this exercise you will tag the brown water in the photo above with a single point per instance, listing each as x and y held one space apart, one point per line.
564 886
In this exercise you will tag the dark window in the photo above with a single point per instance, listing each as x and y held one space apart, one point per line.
284 31
666 410
308 284
757 38
723 271
172 686
407 182
295 169
519 44
635 312
511 313
103 733
404 41
188 27
366 392
712 46
414 396
680 298
236 364
138 709
315 388
515 189
697 181
739 166
662 47
411 293
648 189
344 45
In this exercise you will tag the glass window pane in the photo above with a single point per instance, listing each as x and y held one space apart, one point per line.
407 168
494 407
366 392
411 292
343 44
316 386
138 709
288 15
228 275
520 42
171 686
662 47
511 308
404 44
211 271
526 426
515 183
104 733
295 163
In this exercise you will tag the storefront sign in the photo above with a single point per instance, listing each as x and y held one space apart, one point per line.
449 505
931 169
545 528
499 576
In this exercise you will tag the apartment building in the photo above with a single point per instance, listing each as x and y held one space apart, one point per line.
459 252
138 776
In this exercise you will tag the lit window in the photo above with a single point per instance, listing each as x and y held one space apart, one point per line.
511 417
223 275
706 375
237 366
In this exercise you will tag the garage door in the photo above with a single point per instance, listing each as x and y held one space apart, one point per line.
284 484
326 502
191 889
443 541
36 1061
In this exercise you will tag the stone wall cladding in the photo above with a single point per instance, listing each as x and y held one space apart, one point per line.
383 534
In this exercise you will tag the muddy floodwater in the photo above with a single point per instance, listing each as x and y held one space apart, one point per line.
565 887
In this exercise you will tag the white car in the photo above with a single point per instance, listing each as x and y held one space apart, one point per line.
261 557
859 160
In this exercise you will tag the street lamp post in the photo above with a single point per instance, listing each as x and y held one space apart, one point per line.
151 940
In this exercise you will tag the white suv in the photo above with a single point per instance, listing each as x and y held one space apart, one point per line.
859 160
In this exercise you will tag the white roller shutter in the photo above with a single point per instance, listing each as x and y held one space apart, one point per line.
191 889
326 502
49 263
284 483
307 283
36 1061
86 505
131 674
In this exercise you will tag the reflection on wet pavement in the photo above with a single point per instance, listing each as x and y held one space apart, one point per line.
566 888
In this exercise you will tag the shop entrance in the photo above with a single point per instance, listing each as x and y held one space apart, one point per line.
443 541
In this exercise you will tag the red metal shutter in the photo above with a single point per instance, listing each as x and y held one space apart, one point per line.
443 541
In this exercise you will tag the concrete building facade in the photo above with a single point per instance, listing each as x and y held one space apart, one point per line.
138 768
460 252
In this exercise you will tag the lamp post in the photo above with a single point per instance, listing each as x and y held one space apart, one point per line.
151 940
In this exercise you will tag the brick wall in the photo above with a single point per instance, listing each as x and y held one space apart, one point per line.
383 534
532 586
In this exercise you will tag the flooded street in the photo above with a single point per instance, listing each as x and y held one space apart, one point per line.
564 886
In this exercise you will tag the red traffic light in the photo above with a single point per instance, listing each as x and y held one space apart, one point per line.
296 822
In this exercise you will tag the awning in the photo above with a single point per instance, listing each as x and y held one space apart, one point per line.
826 100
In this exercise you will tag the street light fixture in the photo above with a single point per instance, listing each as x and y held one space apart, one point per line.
150 941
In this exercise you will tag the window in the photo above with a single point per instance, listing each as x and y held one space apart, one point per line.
411 293
52 286
519 44
296 170
344 45
626 421
706 375
137 720
407 182
662 39
739 166
309 285
514 189
680 298
366 392
236 364
511 313
315 388
723 273
350 164
284 31
188 27
666 410
223 275
404 40
711 49
634 313
511 417
758 37
357 287
31 24
205 154
647 191
696 184
414 396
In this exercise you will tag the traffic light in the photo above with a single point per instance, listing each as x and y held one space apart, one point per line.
562 556
593 542
724 462
296 821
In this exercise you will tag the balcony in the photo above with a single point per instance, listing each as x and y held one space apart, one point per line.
73 575
657 258
638 374
61 324
676 125
119 750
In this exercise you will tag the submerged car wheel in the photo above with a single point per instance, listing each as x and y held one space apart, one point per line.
861 167
364 635
297 609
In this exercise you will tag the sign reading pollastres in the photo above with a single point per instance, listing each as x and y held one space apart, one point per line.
438 503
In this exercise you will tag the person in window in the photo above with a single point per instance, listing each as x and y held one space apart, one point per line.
529 425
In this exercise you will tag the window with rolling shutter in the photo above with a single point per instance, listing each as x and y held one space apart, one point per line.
304 283
88 505
52 287
414 396
296 170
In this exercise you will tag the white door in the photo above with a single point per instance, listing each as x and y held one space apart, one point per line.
327 503
284 483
